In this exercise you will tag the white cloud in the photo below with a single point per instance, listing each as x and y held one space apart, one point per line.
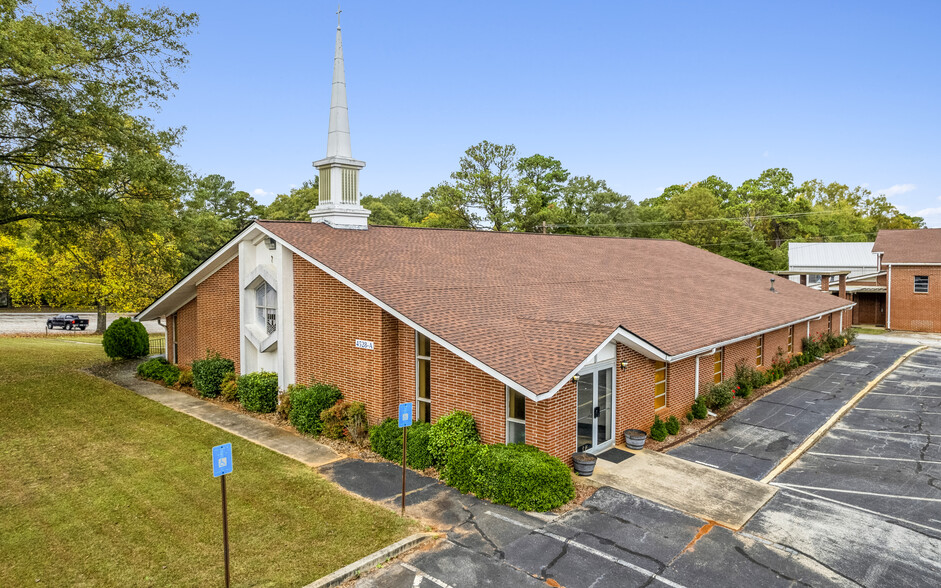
932 215
262 193
896 189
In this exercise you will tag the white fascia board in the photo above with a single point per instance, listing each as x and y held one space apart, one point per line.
620 335
195 277
368 296
891 264
703 350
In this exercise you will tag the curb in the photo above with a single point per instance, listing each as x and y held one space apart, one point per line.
810 441
371 561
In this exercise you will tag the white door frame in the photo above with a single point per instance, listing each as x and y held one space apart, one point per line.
594 369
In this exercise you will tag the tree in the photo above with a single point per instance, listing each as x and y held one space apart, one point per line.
696 217
590 207
486 181
295 205
394 208
74 84
213 213
101 268
541 180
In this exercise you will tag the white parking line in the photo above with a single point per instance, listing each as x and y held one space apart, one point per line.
894 410
906 395
849 430
590 550
818 488
872 457
420 574
715 467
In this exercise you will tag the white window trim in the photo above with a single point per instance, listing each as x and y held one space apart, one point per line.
265 307
512 420
721 352
915 284
760 351
418 398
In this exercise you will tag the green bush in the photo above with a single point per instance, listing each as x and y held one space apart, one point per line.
209 373
850 335
673 425
386 440
126 339
456 429
258 391
284 403
658 432
689 417
700 410
186 377
308 402
159 369
229 391
720 395
345 420
516 475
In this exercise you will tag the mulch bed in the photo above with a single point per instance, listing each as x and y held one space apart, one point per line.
689 431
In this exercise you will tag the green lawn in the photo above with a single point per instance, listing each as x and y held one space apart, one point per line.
100 487
870 330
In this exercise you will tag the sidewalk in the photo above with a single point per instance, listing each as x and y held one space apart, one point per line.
906 337
467 519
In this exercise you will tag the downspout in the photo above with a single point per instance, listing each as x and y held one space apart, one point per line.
697 371
888 301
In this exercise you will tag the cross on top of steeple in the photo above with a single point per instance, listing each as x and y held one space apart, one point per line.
339 10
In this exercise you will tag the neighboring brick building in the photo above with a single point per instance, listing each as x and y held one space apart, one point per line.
559 341
911 261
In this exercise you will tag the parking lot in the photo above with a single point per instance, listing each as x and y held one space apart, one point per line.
753 441
861 508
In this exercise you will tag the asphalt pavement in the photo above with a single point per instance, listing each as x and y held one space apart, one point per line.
34 323
753 441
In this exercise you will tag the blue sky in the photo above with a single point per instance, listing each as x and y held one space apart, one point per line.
641 94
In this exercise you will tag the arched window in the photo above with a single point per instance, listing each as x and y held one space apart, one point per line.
266 307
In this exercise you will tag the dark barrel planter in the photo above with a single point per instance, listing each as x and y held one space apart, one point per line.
635 439
584 463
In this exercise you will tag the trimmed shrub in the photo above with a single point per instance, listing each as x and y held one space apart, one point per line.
456 429
720 395
673 425
284 403
126 339
229 390
160 370
516 475
345 420
658 432
308 402
186 378
209 373
386 440
700 410
689 417
258 391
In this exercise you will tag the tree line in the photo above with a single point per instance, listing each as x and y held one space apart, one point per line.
96 212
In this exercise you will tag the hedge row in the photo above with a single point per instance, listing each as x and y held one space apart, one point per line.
159 369
516 475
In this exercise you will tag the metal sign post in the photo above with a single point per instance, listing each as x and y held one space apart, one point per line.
221 466
405 420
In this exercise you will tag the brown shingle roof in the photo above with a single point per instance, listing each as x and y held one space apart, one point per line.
533 306
909 246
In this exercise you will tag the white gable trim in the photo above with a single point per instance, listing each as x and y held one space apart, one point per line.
368 296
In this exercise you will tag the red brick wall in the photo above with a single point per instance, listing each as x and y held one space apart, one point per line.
551 423
775 341
911 311
218 318
741 352
188 348
328 319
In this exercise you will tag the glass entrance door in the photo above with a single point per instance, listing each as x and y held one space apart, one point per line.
595 410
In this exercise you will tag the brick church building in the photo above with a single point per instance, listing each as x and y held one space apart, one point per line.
559 341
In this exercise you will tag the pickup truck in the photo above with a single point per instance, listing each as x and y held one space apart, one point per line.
67 322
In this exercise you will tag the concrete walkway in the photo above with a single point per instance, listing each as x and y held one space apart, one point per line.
695 489
302 449
904 337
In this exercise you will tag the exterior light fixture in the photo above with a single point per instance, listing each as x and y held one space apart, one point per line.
272 244
575 378
623 365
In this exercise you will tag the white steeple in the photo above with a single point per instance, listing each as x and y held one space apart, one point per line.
339 204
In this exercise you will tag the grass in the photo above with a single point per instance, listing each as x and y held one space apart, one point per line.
870 330
99 486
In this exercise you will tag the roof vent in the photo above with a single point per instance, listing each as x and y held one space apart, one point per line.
772 286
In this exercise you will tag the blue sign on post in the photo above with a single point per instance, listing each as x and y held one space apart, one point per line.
405 414
221 460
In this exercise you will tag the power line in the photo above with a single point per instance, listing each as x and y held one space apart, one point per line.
696 220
